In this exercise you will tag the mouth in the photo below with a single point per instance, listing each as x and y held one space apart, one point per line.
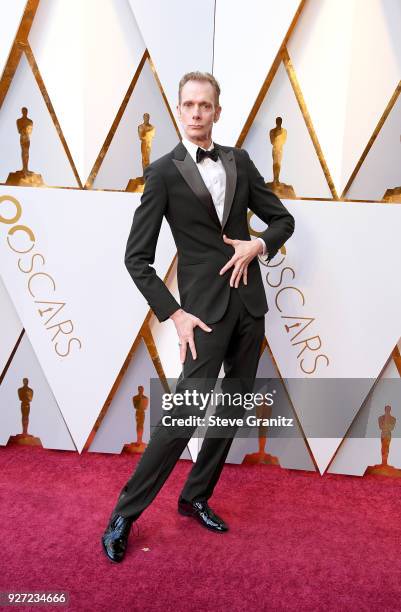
195 127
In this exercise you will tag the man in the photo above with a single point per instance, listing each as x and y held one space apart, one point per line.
204 190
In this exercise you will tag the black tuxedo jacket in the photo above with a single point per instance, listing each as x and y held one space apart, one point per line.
175 189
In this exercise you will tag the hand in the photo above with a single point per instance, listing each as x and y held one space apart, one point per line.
185 324
245 251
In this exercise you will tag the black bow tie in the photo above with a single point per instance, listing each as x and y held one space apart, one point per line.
201 154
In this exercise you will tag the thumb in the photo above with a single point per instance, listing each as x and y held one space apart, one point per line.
227 239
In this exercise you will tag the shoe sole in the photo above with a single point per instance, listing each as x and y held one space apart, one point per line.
184 513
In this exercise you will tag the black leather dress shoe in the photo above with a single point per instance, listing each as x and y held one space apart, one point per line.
115 538
203 514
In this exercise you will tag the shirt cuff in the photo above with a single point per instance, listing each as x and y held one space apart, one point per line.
264 254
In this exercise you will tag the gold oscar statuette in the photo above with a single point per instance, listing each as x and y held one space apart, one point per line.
386 424
25 395
278 137
25 177
141 403
263 411
146 133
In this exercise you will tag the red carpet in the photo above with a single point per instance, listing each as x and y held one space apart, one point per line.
296 541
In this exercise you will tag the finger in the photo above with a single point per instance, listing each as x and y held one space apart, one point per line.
228 265
239 276
245 275
183 350
234 275
203 325
192 347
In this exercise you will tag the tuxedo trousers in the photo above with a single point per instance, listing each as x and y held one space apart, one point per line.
234 342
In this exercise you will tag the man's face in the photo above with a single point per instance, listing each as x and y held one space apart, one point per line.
197 110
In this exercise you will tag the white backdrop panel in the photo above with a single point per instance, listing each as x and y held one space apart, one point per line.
118 426
45 419
46 153
320 49
248 36
179 38
86 82
333 274
341 74
375 73
381 169
10 326
336 260
362 445
300 166
11 15
291 452
123 160
82 236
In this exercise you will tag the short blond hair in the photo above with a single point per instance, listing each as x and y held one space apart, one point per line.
200 76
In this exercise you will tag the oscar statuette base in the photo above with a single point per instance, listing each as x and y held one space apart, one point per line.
24 440
24 179
260 458
383 470
136 185
281 189
393 195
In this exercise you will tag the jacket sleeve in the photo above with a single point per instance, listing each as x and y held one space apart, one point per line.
269 208
141 246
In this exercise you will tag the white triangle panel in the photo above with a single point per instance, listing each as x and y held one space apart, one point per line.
323 450
45 419
46 152
81 236
179 38
118 426
344 84
381 168
86 80
248 36
123 160
320 50
362 446
375 73
10 326
307 178
291 452
11 15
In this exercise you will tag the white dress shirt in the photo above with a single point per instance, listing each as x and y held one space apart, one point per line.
214 177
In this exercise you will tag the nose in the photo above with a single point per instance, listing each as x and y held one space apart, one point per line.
196 112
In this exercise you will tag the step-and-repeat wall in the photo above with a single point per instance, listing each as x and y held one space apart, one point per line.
88 96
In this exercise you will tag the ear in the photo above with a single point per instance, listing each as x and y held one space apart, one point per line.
178 110
217 114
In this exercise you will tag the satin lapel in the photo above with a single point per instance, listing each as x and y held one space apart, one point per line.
228 161
192 177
